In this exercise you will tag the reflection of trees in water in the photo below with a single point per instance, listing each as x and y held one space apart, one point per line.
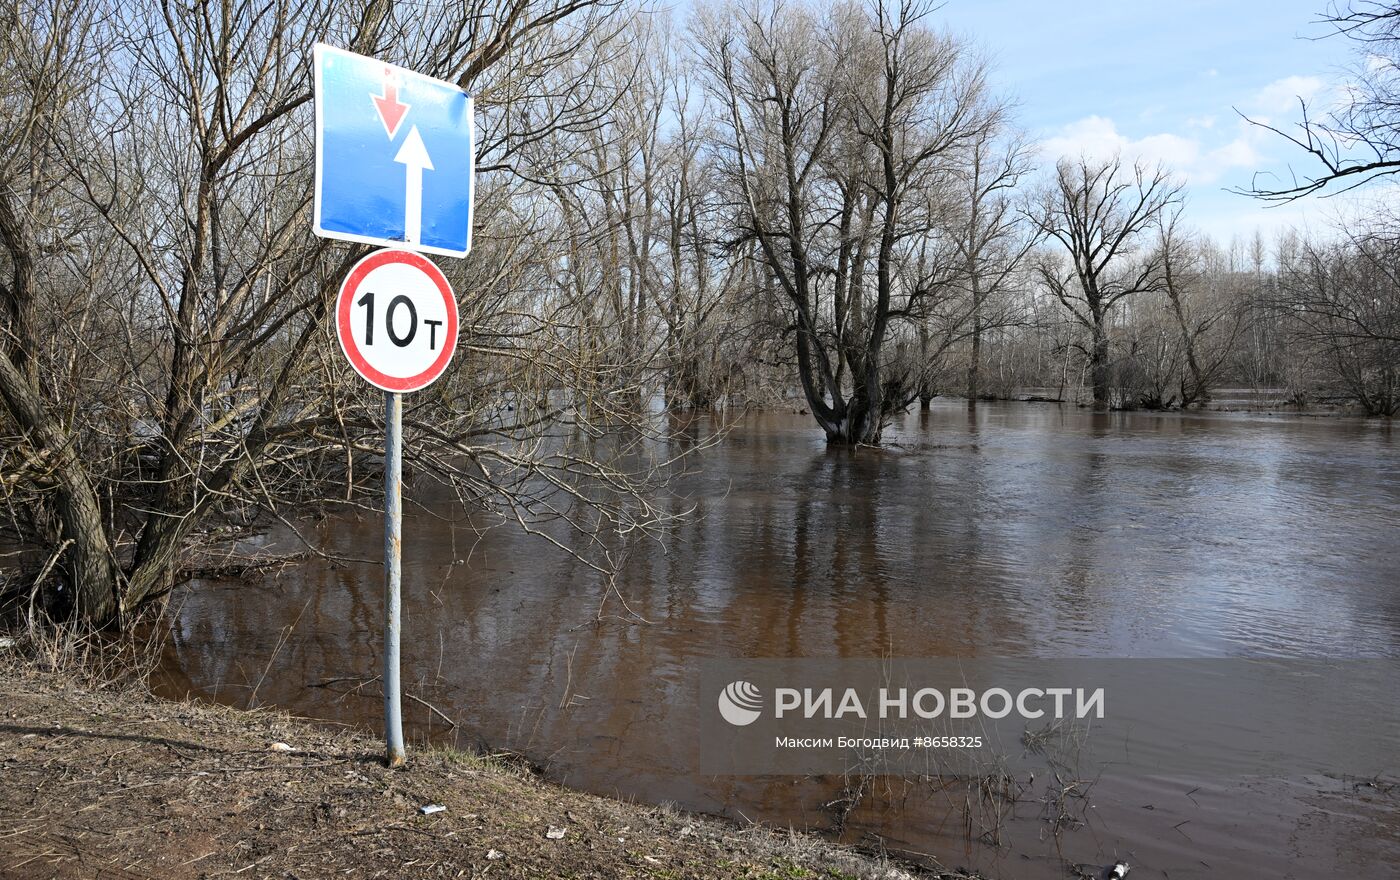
1003 529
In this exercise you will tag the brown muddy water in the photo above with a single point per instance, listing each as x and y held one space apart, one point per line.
1008 530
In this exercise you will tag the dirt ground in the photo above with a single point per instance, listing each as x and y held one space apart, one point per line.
110 782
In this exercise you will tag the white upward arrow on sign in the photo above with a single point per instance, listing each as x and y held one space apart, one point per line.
414 157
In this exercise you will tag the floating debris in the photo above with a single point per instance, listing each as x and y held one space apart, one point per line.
1117 871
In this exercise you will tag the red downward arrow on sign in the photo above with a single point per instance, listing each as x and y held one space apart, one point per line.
391 112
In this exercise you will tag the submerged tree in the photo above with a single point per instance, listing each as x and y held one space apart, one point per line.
1206 306
842 132
1341 299
1102 214
992 242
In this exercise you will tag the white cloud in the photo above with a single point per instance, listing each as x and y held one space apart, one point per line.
1238 153
1215 151
1282 95
1099 138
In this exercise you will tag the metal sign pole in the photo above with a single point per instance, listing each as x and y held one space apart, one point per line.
393 555
365 186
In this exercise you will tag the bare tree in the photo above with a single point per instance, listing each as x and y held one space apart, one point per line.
202 388
992 242
1208 310
1360 141
1101 214
51 59
1342 298
776 85
842 133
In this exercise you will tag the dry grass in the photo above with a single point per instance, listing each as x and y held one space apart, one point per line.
103 780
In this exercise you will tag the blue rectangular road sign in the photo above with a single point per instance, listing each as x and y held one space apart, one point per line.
394 156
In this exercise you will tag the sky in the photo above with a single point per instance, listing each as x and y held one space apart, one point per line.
1164 81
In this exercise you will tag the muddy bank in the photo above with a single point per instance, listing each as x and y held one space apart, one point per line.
114 783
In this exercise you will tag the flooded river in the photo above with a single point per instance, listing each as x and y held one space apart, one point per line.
1008 530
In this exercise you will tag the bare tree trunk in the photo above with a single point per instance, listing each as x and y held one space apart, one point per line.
925 383
974 366
1198 390
1099 366
88 561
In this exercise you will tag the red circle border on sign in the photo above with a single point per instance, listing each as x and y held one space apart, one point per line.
342 319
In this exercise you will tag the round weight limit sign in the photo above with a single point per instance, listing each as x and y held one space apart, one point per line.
397 320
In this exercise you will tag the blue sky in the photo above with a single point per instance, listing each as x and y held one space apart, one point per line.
1162 81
